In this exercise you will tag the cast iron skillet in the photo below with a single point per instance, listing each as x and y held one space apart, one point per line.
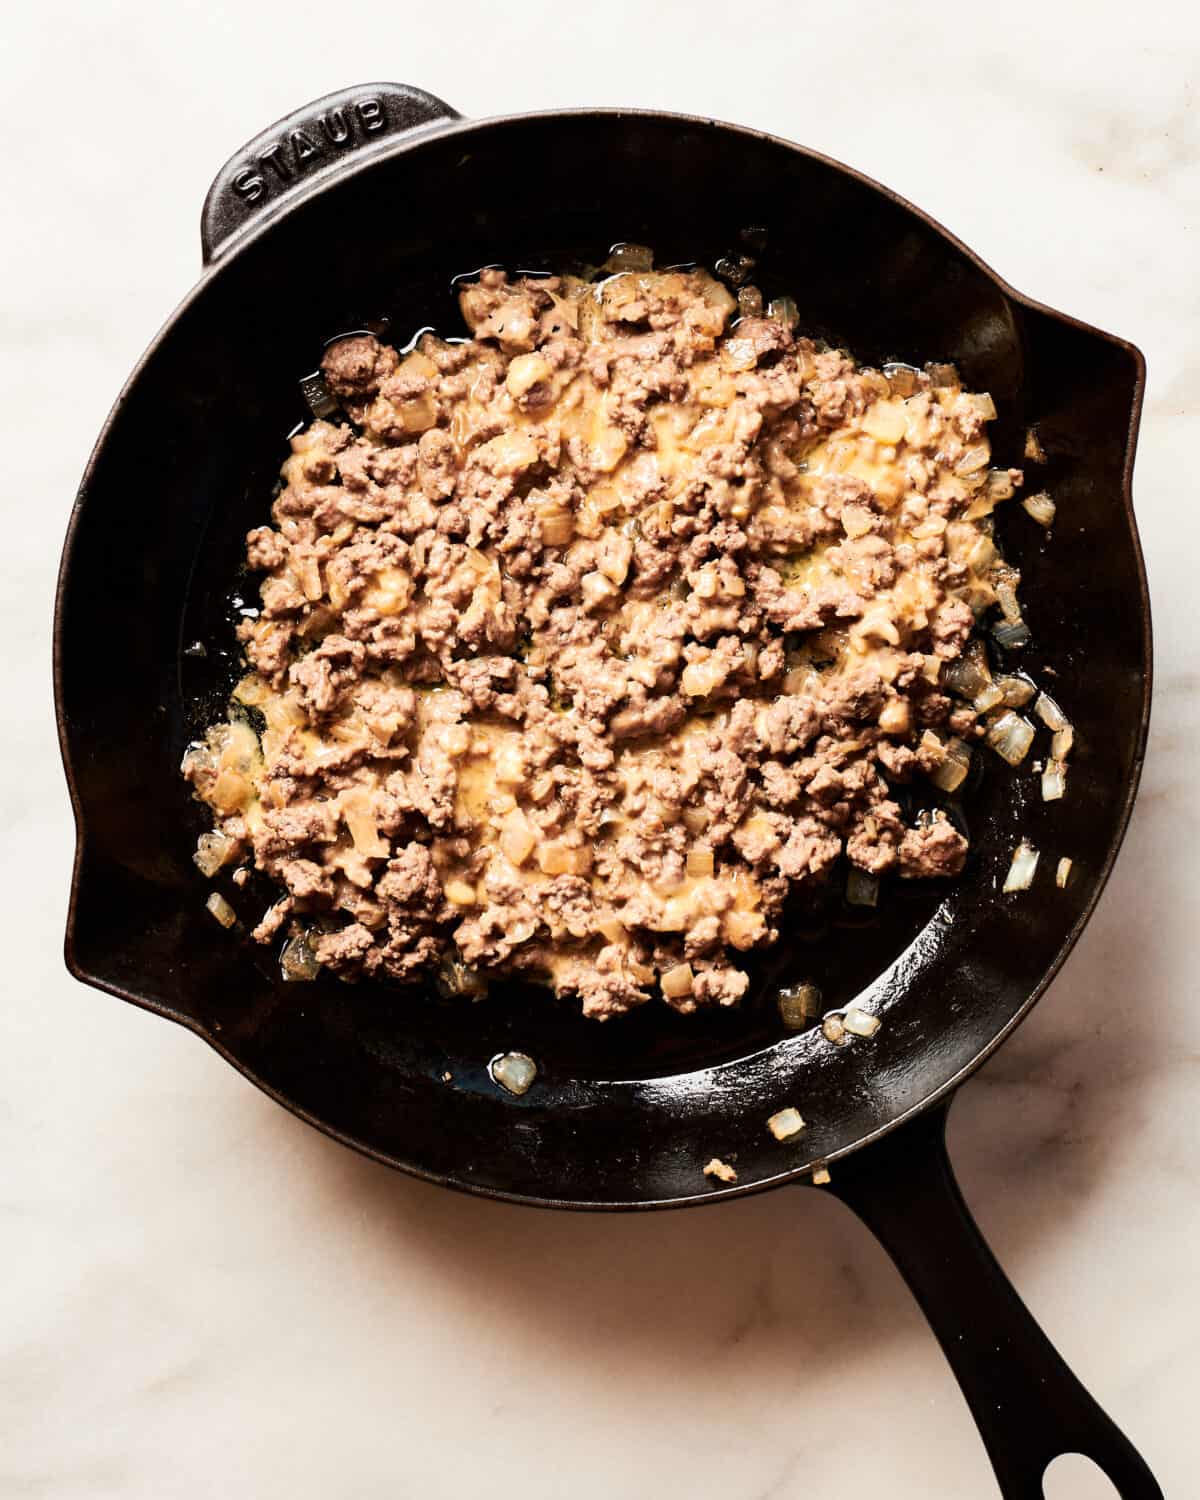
358 209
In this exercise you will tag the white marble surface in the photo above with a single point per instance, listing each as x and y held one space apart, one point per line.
202 1297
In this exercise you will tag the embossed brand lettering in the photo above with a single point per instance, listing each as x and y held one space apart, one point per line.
283 161
249 186
335 127
272 158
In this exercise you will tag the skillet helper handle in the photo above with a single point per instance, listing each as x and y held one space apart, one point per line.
289 159
1028 1405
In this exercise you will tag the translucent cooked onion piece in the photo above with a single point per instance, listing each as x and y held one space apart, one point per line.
317 395
1006 597
860 1022
991 697
975 458
1062 743
719 1169
970 675
1022 869
212 851
1041 508
786 1124
749 302
783 310
1011 636
1049 712
1054 781
1063 873
1010 736
454 979
950 774
833 1029
1016 691
678 981
999 485
798 1005
886 422
514 1071
218 907
902 379
297 962
820 1175
699 863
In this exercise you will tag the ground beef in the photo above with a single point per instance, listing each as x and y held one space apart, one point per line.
583 640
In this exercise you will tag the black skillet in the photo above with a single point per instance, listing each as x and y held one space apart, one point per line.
356 211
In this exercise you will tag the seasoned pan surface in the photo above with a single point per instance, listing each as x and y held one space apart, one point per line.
622 1114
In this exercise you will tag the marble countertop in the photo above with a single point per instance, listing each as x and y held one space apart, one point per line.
203 1297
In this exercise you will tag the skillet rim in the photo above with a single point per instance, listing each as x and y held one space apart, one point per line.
401 144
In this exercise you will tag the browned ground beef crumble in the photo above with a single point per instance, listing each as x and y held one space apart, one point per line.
583 641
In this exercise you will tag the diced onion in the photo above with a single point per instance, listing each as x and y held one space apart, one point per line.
297 961
719 1169
1054 781
221 909
317 394
1017 691
699 862
517 837
1011 636
902 379
558 858
862 889
970 675
1021 871
942 376
678 981
1063 873
783 310
749 302
982 555
798 1005
1041 508
820 1175
991 697
557 527
885 421
785 1124
1034 451
455 978
860 1022
1006 597
611 930
212 851
1049 712
984 405
999 485
1010 736
833 1030
974 459
1060 745
513 1071
951 772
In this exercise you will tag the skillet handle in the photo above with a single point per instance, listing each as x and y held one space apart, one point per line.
289 159
1028 1405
